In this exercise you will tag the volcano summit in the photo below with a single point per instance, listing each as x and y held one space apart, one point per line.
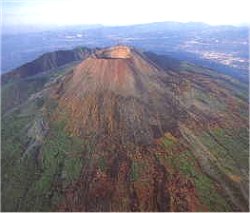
125 130
120 95
114 52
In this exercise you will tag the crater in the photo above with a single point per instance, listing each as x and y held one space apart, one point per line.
114 52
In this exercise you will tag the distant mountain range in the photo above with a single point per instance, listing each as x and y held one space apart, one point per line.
122 129
224 48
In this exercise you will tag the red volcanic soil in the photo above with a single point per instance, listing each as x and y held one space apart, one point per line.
120 97
111 71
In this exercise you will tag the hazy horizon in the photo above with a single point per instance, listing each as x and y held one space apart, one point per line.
56 13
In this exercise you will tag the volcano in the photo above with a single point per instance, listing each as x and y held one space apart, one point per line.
126 130
116 93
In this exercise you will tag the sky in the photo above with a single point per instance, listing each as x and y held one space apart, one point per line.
123 12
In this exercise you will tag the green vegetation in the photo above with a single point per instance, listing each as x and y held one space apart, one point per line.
134 172
168 142
209 195
206 190
28 177
185 163
209 99
34 185
61 164
18 171
230 147
16 92
102 163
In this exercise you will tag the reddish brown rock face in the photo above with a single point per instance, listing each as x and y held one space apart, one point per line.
119 73
125 98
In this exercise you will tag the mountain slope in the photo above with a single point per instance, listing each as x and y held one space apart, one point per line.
21 82
118 94
128 131
46 62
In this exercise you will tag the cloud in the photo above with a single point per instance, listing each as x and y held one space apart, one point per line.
113 12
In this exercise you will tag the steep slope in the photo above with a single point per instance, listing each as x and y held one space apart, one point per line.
112 92
127 131
46 62
20 83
